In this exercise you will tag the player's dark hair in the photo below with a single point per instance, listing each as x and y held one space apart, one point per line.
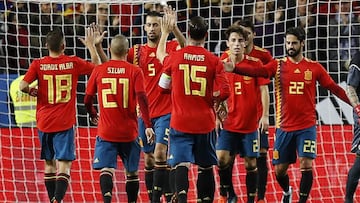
54 40
246 22
237 29
198 28
153 14
299 32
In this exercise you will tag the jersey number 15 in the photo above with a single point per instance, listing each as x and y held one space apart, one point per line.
191 77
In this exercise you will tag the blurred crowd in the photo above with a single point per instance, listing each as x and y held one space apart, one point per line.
333 27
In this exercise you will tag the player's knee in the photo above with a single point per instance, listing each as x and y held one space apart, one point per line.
263 152
305 162
223 161
160 152
280 172
149 160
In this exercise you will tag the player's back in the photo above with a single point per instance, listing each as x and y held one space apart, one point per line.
193 71
57 81
116 86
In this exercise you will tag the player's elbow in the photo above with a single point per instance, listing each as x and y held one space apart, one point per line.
23 86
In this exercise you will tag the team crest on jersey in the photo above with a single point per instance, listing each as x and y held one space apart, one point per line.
308 75
247 79
275 154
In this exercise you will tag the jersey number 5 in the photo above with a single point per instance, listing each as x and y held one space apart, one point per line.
113 90
191 77
62 87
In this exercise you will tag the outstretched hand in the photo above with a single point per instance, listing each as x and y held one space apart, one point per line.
99 36
93 35
168 20
229 66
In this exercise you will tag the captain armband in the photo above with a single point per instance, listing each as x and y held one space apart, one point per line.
165 81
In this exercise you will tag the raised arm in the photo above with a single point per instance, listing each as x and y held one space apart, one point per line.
265 71
167 25
177 33
89 43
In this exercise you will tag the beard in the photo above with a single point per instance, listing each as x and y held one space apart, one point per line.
153 38
292 52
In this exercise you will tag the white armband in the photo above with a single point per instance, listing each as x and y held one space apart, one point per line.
165 81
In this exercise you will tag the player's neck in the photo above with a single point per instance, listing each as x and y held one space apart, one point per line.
197 43
249 48
55 54
296 59
118 58
152 44
237 58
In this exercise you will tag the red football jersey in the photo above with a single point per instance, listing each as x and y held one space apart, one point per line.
117 83
194 71
242 116
57 82
145 57
295 91
265 57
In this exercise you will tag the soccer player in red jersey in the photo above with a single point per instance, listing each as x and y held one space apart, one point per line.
190 74
239 132
120 86
155 154
263 108
295 91
57 76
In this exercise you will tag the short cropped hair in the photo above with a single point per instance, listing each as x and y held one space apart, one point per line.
198 28
237 29
246 23
299 32
54 40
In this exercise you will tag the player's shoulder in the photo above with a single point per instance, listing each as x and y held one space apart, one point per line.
310 60
251 58
281 59
74 57
260 49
